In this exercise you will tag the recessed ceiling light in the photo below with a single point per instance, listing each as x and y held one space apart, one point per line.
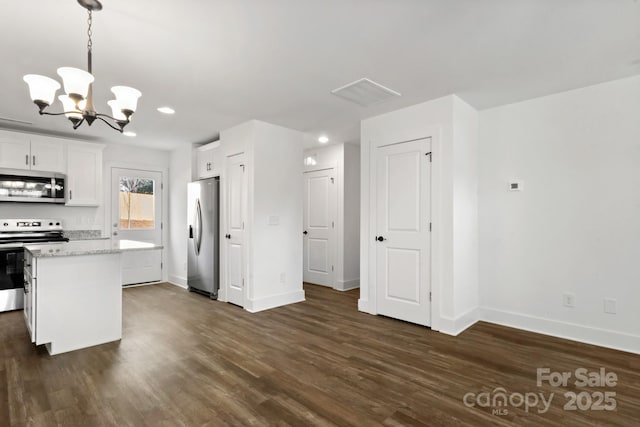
129 133
166 110
323 139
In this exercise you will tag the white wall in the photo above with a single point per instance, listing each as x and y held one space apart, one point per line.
179 176
465 211
276 250
351 222
345 158
575 228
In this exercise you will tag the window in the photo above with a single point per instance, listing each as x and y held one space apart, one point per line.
137 203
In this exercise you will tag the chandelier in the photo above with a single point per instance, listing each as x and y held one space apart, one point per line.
77 103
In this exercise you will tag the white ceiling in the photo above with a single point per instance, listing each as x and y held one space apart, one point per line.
220 62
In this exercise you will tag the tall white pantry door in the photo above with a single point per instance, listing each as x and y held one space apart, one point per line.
234 234
403 237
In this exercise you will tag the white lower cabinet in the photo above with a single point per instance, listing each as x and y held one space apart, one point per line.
84 174
73 302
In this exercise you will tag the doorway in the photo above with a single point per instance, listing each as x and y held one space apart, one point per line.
136 214
320 239
403 236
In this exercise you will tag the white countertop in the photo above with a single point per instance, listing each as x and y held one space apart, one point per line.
88 247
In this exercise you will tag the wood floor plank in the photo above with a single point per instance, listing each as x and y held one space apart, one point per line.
185 360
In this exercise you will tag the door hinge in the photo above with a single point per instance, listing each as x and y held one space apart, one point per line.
332 268
429 226
161 265
332 180
161 226
333 225
429 296
162 186
430 156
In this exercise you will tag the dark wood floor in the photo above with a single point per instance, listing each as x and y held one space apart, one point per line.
186 360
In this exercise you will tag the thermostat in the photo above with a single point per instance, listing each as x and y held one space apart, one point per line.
515 186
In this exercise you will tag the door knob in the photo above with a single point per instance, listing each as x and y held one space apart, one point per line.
305 232
380 239
227 236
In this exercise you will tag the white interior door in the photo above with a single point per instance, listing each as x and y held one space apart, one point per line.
320 211
136 214
235 221
403 239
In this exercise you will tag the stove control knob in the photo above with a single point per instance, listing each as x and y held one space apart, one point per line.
57 223
6 224
50 223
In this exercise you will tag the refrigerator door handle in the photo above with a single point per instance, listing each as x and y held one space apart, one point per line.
198 226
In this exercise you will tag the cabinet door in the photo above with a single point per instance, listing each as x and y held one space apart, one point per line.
205 163
84 175
14 152
47 155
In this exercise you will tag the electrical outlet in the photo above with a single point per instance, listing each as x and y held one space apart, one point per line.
610 305
568 300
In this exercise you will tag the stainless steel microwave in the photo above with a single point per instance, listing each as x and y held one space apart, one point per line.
31 186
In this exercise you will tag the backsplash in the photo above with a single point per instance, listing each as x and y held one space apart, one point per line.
82 234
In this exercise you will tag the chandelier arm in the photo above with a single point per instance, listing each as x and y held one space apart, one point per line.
46 113
77 125
108 124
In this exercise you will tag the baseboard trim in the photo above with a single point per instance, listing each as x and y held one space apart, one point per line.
570 331
273 301
455 326
178 281
347 285
363 305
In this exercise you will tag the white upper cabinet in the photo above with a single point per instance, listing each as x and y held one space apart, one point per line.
14 151
31 152
84 174
47 155
208 163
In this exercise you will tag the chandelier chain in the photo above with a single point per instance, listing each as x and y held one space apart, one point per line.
89 30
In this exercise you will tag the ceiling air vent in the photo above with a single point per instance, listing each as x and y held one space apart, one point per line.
365 92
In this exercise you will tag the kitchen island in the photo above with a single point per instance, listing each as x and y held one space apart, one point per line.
73 292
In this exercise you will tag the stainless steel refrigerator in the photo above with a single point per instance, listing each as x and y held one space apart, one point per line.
203 215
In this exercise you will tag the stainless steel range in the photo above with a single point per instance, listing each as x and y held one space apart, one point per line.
14 234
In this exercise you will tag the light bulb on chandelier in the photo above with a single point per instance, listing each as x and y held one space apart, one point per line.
77 103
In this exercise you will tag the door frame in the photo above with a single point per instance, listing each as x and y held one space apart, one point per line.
108 202
337 230
436 218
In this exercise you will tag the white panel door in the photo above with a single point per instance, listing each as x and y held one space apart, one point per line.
403 239
320 211
14 153
136 214
235 218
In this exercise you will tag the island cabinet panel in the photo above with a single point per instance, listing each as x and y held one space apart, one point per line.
78 301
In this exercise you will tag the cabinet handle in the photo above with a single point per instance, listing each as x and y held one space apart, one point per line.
34 160
26 159
70 194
